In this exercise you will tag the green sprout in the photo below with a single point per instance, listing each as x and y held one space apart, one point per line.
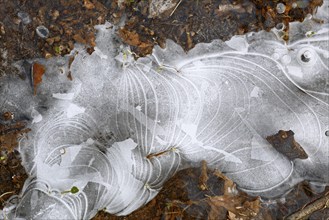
57 49
73 190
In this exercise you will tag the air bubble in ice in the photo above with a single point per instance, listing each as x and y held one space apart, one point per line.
307 56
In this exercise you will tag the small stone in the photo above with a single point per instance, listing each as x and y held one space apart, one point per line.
280 8
25 18
42 31
47 55
280 26
55 14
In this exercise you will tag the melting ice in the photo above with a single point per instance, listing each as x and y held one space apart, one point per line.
103 131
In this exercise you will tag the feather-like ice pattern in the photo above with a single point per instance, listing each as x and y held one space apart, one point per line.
122 127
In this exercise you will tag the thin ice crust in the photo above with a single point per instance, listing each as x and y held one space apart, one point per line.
122 127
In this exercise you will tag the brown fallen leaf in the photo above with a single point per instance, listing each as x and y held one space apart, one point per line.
78 38
88 5
132 38
37 72
284 142
9 135
216 211
238 204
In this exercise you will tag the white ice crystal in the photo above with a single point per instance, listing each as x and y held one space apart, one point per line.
118 132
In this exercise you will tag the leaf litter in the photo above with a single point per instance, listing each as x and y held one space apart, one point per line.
12 173
203 193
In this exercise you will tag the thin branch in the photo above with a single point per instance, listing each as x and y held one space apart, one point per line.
309 209
175 8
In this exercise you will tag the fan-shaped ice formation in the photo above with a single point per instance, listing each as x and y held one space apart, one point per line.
121 128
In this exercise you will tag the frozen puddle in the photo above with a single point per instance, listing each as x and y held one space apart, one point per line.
121 128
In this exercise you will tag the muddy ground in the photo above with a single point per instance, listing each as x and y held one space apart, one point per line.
201 193
30 29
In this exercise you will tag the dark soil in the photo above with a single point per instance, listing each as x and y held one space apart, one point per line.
187 23
300 196
183 197
189 194
12 173
193 22
68 22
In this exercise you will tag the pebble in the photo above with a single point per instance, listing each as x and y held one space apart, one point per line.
280 8
42 31
280 26
25 18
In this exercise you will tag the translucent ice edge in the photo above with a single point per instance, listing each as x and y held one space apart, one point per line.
122 127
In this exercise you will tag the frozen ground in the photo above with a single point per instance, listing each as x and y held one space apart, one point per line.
122 127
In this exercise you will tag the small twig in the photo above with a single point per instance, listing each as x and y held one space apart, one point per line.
309 209
203 178
175 8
